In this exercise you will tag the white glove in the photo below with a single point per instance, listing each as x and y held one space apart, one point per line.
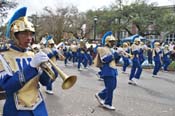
39 58
112 50
57 51
119 50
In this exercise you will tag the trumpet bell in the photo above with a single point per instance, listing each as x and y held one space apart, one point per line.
69 82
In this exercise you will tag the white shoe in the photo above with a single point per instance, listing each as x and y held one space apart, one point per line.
80 69
124 72
108 107
101 101
49 92
135 81
132 82
86 67
154 76
100 79
98 75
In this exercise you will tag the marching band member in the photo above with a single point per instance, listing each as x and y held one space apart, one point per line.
4 46
125 58
20 70
66 51
157 53
166 57
136 68
171 46
172 56
143 47
100 78
89 54
44 41
149 54
74 48
81 54
50 49
106 56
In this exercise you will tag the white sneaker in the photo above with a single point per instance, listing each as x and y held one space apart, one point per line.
80 69
135 81
100 79
86 68
108 107
98 75
101 101
49 92
132 82
154 76
124 72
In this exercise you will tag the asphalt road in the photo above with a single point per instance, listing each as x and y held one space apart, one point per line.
151 97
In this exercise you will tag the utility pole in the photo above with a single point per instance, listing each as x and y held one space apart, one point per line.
95 24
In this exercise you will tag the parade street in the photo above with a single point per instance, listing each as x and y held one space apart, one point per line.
151 97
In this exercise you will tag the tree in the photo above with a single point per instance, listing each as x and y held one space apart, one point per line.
57 22
148 18
105 18
5 6
34 19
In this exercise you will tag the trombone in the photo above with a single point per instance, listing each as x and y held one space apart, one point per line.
68 81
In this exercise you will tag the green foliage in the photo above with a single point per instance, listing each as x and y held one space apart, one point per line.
172 66
120 17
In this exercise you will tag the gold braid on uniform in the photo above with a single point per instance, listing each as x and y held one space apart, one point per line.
21 78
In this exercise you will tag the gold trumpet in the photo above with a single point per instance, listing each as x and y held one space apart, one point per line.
127 54
68 81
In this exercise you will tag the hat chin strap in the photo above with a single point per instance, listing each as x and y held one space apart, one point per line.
109 45
137 43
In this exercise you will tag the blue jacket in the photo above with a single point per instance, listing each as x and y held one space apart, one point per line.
12 84
106 69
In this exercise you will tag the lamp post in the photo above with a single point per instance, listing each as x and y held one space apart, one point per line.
95 24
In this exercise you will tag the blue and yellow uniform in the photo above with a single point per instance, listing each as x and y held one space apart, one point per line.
20 74
22 87
107 56
166 58
81 55
53 54
124 57
136 68
74 49
157 53
89 55
67 53
141 54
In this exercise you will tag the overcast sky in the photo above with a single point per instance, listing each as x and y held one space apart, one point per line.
36 6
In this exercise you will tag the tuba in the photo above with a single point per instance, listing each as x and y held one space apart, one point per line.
68 81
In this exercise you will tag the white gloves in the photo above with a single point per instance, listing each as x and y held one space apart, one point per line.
112 50
119 50
39 58
54 49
